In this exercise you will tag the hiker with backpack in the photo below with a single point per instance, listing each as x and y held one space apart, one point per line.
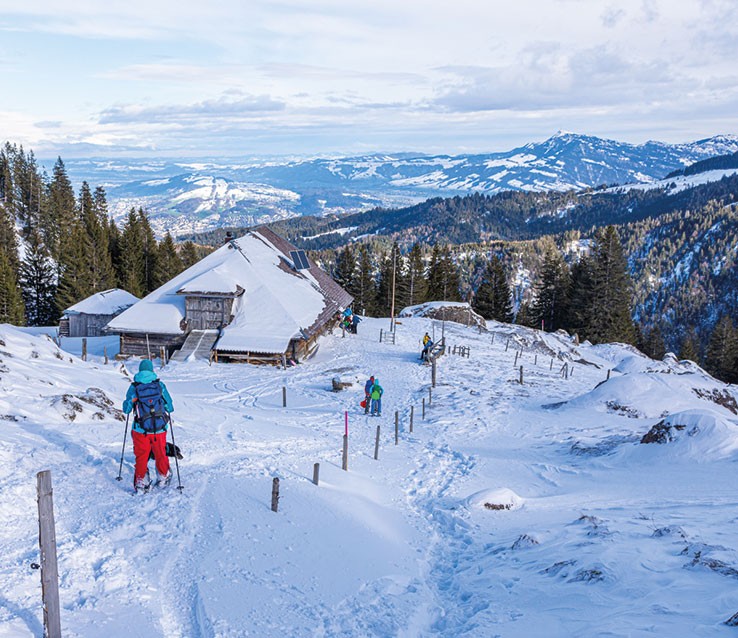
150 402
427 346
377 392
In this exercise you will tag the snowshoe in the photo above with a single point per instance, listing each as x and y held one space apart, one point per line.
163 481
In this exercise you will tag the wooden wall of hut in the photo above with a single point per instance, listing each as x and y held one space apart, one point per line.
137 344
208 313
84 325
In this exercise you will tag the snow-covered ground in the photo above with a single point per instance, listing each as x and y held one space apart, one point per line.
510 510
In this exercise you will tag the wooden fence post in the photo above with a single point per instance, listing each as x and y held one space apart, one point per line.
397 427
453 350
507 345
162 355
84 349
105 354
493 338
47 544
275 494
344 464
423 408
316 473
608 375
517 354
381 331
412 412
521 375
376 445
284 396
433 371
535 360
284 361
430 396
552 364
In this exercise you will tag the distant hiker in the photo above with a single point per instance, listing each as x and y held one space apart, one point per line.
150 402
427 346
368 395
346 318
377 392
355 323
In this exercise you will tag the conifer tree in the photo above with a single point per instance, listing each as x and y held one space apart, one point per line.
581 295
550 308
75 283
390 282
652 343
94 220
493 299
365 293
722 351
689 348
116 257
345 270
525 317
168 262
417 284
38 281
606 311
189 254
8 237
443 276
59 221
150 249
11 300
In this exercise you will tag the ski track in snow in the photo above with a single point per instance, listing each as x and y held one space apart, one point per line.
394 547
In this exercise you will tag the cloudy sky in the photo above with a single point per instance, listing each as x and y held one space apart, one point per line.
247 77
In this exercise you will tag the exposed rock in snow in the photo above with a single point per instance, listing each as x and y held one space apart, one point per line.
457 312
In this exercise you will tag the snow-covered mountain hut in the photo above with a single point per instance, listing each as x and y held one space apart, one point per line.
254 299
89 317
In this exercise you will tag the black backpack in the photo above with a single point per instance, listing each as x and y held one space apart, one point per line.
150 409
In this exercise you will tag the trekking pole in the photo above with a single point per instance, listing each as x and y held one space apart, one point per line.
180 487
123 451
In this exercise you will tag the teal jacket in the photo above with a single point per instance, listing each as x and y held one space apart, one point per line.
145 374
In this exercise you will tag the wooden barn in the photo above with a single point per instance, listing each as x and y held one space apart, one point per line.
255 299
89 317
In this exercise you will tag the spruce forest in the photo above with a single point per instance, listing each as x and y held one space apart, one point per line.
58 247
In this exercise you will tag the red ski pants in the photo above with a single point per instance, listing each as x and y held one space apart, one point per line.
143 445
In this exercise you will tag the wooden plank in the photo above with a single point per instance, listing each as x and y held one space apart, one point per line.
47 543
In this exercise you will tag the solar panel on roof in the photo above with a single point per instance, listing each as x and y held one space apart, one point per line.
299 258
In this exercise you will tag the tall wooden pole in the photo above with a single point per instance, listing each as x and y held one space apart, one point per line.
392 307
47 543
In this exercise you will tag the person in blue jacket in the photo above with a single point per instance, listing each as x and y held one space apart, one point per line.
150 402
368 394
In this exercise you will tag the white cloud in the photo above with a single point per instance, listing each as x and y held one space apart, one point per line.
411 74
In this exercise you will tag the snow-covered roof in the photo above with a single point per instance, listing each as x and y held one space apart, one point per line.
107 302
277 302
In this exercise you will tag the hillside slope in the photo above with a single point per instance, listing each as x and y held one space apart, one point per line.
510 509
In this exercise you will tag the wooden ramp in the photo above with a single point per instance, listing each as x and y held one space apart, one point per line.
198 343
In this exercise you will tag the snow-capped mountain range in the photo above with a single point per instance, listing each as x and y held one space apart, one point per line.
190 197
